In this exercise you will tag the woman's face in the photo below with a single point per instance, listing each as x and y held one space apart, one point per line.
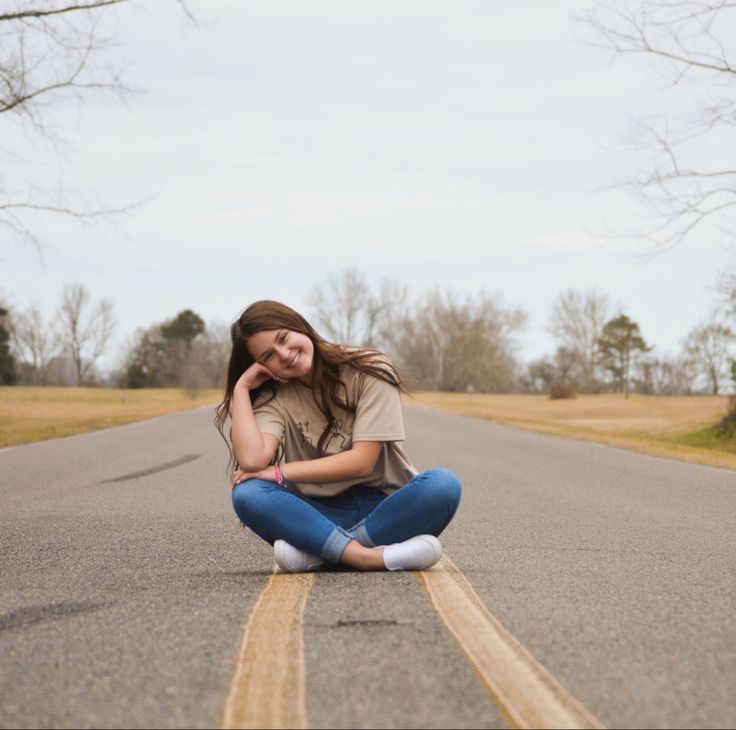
285 353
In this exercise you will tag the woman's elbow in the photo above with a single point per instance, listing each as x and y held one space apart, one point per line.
367 468
251 464
366 457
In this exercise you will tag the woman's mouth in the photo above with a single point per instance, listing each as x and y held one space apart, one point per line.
293 360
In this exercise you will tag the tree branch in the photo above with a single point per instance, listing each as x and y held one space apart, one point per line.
40 13
51 52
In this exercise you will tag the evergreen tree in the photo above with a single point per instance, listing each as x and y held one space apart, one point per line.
160 354
184 327
8 374
620 341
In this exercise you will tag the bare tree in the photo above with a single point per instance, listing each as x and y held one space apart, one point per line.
83 331
725 291
393 299
692 40
442 341
577 321
437 321
52 52
542 374
667 375
347 311
678 375
451 344
35 345
206 365
710 346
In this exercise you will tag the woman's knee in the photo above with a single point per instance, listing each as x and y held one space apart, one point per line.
251 498
443 486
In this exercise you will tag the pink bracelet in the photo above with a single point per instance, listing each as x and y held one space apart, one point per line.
279 476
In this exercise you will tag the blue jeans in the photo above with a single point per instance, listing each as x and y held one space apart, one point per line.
325 525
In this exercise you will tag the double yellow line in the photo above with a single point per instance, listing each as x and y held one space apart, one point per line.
268 689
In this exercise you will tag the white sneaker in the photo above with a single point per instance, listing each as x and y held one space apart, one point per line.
293 560
416 553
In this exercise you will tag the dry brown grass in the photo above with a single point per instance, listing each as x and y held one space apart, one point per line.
37 414
648 424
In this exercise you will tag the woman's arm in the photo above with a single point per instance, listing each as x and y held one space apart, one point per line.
253 450
356 463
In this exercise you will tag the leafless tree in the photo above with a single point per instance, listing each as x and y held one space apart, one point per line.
83 330
451 344
667 375
394 303
710 347
52 52
676 376
725 295
692 40
35 345
436 321
346 310
577 321
540 375
440 340
206 364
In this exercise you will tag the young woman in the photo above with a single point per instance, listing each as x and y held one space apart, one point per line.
319 471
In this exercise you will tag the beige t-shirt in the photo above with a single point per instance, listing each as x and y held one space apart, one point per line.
294 418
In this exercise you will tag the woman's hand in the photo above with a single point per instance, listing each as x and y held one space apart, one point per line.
255 376
239 475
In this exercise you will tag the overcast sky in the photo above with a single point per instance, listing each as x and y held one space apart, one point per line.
459 143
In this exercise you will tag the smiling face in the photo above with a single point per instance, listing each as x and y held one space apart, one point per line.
285 353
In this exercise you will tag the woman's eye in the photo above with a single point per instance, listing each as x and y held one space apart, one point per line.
282 339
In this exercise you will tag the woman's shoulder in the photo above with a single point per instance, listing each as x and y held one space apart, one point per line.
277 394
264 397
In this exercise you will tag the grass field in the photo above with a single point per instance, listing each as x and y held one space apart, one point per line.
674 427
37 414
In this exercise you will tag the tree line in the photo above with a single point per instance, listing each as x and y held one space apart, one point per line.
442 340
67 349
453 343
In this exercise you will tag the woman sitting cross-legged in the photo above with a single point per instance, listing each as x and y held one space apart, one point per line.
319 471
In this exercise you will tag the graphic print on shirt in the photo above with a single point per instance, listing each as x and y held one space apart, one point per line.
303 429
336 433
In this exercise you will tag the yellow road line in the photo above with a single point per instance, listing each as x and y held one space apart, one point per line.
526 692
268 687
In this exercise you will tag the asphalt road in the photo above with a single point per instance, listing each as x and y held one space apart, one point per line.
126 582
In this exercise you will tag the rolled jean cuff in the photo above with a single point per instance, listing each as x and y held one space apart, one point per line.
361 535
335 545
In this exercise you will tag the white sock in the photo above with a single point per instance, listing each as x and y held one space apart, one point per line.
416 553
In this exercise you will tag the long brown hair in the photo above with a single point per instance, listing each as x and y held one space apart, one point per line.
328 388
